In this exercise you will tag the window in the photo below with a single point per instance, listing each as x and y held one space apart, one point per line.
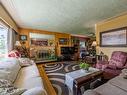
82 44
3 40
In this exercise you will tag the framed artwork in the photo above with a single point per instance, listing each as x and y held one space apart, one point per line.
63 41
39 42
23 37
114 38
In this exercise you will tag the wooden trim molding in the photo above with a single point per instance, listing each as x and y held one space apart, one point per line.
47 84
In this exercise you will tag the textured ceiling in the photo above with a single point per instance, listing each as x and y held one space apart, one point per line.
69 16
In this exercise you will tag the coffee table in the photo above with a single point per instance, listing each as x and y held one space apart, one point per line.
75 79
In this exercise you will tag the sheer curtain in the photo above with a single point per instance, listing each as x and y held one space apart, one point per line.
3 39
7 39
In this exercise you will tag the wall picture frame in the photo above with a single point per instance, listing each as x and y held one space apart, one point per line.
39 42
23 37
63 41
114 38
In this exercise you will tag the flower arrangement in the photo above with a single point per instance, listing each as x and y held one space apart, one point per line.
84 66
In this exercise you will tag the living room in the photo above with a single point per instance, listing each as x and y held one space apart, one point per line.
63 47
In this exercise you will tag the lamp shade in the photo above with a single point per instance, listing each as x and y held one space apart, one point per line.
94 43
17 43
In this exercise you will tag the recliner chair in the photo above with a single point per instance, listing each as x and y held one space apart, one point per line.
113 67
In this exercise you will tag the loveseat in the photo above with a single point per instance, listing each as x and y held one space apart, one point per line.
115 86
26 77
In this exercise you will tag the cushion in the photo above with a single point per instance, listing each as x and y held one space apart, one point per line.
6 88
25 61
109 89
91 92
119 64
119 82
12 67
14 53
29 83
4 74
35 91
119 58
27 72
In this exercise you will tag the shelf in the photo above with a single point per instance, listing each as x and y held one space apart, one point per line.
42 46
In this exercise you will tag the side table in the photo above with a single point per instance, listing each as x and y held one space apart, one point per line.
75 79
85 80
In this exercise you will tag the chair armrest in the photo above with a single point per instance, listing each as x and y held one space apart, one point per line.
102 64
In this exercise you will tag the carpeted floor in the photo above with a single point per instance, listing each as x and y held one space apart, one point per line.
56 74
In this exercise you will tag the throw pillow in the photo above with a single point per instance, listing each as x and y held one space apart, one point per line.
25 62
14 53
6 88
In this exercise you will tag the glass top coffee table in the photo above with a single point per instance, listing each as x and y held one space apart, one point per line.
75 79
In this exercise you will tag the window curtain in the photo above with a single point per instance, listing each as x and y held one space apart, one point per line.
3 39
7 38
11 39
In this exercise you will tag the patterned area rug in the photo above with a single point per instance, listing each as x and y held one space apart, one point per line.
56 74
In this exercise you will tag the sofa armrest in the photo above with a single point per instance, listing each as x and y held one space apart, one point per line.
91 92
35 91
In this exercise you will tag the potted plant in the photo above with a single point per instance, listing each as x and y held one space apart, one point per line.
84 66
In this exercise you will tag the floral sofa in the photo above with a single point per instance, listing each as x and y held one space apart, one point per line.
23 77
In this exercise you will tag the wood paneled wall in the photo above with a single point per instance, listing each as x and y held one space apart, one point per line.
23 31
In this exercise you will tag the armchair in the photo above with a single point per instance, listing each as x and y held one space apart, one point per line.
113 67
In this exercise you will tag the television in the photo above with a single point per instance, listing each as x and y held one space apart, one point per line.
67 50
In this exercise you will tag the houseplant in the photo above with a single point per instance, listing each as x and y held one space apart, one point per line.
84 66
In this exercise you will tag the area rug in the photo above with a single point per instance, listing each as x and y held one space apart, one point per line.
56 74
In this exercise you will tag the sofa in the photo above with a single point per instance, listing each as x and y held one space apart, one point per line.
115 86
113 67
26 77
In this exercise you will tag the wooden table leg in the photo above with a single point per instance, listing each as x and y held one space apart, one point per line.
76 90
